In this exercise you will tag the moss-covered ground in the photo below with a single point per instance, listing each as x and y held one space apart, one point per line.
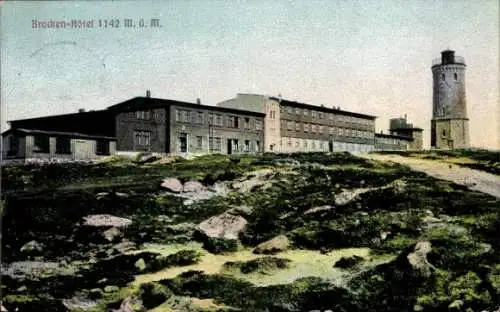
331 206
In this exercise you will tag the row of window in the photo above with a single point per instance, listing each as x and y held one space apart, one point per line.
320 129
230 121
322 115
389 141
41 144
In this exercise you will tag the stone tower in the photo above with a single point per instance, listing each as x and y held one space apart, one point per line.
449 124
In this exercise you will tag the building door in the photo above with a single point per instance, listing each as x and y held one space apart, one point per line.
330 146
229 146
183 142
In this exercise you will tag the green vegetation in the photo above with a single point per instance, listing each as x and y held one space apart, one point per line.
322 203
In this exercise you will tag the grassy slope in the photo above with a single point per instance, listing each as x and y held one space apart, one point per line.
277 210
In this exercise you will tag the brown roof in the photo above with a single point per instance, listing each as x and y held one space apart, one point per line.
58 133
146 102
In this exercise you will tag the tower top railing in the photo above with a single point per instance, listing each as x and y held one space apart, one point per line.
458 60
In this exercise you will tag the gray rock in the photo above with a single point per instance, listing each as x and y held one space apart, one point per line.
112 234
130 304
105 220
173 185
193 186
32 247
418 258
140 264
225 226
274 245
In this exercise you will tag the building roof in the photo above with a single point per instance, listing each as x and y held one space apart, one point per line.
322 108
91 112
393 136
148 102
57 133
406 129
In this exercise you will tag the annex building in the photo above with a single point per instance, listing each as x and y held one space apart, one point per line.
247 124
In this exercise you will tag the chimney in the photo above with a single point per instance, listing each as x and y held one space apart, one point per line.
198 101
148 93
81 110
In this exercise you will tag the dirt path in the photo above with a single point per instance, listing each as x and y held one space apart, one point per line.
474 179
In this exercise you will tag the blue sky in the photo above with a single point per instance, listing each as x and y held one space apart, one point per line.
365 56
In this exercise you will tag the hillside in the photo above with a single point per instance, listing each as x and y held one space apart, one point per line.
298 232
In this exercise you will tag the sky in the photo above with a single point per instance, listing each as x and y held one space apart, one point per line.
367 56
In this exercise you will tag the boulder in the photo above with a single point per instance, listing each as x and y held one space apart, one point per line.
193 186
112 234
417 258
131 304
220 233
32 247
105 220
274 245
140 264
173 185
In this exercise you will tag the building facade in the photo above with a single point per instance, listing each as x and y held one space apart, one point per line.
40 144
299 127
145 124
392 142
401 127
449 124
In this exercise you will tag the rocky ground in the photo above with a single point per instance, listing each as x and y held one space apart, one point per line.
301 232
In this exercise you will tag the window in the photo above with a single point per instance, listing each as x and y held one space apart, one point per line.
444 133
182 115
234 122
313 145
320 129
306 112
442 77
13 144
102 147
297 126
306 127
289 143
143 115
215 144
341 131
297 111
289 110
330 116
289 125
42 144
320 115
296 143
455 76
210 120
142 139
199 142
199 118
314 114
218 120
313 128
257 145
305 143
247 123
63 146
272 114
330 130
258 125
247 145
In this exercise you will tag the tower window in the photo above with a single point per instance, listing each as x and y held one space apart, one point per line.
442 77
444 132
455 76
